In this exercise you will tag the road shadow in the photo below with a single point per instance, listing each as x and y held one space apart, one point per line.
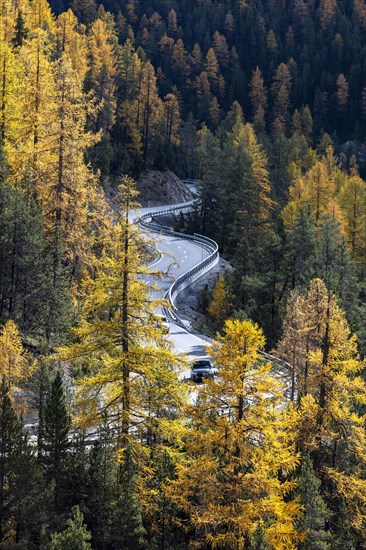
198 351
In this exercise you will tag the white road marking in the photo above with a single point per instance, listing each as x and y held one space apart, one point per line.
157 261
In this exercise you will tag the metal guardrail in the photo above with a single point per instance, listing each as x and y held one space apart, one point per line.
146 221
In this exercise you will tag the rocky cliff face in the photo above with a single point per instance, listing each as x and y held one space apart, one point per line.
158 188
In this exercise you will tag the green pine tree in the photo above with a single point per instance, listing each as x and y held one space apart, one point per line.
10 432
20 30
23 497
165 511
100 490
29 294
313 518
300 249
336 267
127 527
56 285
40 385
56 436
345 538
75 486
75 537
258 540
29 499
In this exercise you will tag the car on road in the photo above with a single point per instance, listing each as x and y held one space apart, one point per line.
203 368
161 322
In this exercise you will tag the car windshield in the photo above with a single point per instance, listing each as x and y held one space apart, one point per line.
202 365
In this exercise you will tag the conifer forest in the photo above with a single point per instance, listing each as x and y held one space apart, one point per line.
106 440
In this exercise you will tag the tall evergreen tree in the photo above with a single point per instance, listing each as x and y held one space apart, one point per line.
208 154
76 536
23 499
101 479
315 514
20 30
300 249
345 537
127 527
56 442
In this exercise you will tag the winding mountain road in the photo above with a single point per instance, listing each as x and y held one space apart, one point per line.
177 257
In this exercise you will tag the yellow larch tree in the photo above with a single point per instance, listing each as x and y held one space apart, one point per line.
342 93
128 108
11 96
360 9
72 40
317 187
239 452
172 119
12 82
331 390
294 344
99 80
249 173
352 200
9 10
258 97
150 109
69 194
321 189
51 147
221 301
259 173
15 365
38 16
100 85
327 10
298 196
31 153
129 363
317 342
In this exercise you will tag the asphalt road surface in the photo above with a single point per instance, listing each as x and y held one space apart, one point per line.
177 257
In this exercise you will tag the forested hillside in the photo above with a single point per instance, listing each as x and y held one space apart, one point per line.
288 63
102 446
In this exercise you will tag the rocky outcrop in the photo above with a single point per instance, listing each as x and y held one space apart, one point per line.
158 188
